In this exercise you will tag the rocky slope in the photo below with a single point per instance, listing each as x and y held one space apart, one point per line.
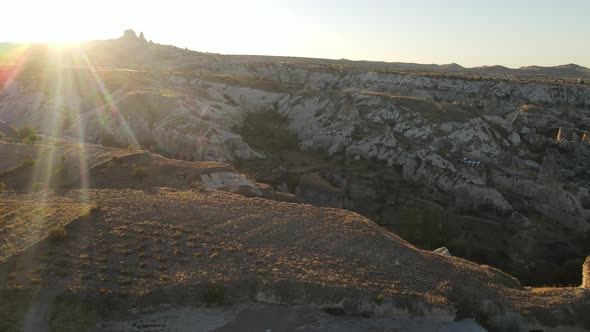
467 146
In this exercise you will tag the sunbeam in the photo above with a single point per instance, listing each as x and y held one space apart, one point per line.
119 119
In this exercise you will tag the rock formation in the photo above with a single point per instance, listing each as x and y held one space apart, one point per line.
443 251
129 34
586 273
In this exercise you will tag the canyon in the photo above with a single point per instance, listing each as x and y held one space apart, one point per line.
491 166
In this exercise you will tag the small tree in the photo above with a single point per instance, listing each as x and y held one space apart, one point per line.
25 132
31 139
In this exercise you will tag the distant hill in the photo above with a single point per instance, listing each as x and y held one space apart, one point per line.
133 51
571 70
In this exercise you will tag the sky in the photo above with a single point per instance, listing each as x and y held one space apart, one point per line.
469 32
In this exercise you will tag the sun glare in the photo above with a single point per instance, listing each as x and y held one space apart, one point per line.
63 45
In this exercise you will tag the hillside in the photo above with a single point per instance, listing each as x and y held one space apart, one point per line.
160 247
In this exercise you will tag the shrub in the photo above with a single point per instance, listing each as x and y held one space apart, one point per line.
25 132
31 139
140 173
57 233
28 163
93 210
379 299
214 294
3 186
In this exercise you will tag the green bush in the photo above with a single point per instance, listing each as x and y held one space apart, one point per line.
3 186
31 139
379 299
28 163
25 132
57 233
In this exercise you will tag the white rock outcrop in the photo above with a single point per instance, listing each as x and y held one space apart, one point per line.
227 181
443 251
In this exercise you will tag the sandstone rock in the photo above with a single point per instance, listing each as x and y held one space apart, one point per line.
230 182
443 251
586 273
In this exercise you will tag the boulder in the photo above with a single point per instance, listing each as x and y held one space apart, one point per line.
443 251
525 130
586 273
514 139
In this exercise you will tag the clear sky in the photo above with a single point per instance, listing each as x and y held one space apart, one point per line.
469 32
